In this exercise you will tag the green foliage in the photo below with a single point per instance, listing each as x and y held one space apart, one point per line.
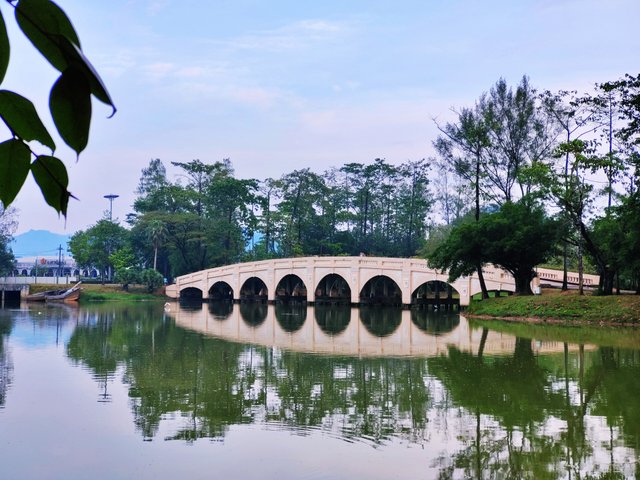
93 247
6 256
8 225
517 238
151 278
126 276
123 258
51 32
14 168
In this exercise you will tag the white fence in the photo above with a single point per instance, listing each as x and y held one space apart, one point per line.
35 280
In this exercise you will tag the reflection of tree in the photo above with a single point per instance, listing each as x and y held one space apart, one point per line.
364 398
6 366
521 416
615 384
209 384
516 392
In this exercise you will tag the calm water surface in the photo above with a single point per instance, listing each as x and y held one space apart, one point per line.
239 391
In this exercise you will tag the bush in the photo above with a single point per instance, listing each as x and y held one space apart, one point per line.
125 276
151 278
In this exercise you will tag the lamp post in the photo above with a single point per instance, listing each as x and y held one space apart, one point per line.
111 197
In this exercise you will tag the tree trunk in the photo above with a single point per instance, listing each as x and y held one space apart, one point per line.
483 285
565 267
155 257
523 283
580 269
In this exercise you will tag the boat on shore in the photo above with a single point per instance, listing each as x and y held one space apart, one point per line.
67 295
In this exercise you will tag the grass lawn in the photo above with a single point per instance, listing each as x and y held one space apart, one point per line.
99 293
567 307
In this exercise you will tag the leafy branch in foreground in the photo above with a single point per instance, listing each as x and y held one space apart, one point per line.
51 32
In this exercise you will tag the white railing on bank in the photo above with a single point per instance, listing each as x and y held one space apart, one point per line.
66 279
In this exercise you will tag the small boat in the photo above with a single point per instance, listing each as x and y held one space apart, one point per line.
65 295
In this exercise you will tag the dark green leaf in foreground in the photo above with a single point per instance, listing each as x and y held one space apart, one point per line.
51 176
70 104
52 33
22 118
45 24
77 59
4 48
14 167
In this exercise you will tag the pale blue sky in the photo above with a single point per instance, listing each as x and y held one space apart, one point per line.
279 85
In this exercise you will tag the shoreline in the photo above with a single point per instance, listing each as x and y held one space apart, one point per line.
552 321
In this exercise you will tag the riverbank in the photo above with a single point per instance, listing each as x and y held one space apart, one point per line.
108 292
555 306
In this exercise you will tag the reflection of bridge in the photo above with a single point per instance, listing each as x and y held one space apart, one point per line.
350 331
352 280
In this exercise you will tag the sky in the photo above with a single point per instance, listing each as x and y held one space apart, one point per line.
280 85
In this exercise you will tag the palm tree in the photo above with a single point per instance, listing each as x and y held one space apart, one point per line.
156 232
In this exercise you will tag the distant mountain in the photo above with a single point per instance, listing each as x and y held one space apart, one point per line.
39 243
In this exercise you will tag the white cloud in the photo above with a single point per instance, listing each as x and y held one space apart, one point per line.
159 71
294 36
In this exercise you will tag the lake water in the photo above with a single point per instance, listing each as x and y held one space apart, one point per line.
255 392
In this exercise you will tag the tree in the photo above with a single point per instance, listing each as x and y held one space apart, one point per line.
51 32
519 135
156 232
8 225
152 279
152 188
464 145
574 117
516 238
123 261
94 246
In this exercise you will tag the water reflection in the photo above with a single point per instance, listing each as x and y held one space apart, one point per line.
332 319
291 316
254 314
369 331
221 309
380 321
6 366
482 403
435 322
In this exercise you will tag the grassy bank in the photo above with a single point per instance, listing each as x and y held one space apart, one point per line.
102 293
562 307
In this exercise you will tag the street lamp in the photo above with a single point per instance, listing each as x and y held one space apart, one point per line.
111 197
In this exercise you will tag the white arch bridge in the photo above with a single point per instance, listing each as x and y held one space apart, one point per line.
347 280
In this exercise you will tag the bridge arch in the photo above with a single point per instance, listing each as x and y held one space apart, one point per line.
436 294
254 289
191 293
221 290
291 288
333 288
381 290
